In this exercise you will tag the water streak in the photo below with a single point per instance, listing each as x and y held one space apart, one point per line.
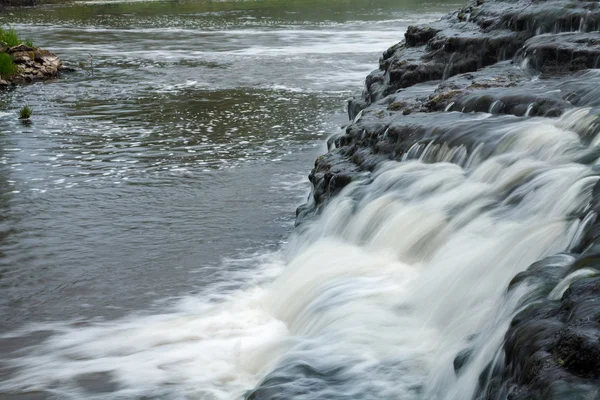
403 270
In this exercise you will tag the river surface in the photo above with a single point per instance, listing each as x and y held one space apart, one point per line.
144 211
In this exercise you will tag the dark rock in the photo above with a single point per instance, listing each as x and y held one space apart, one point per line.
465 50
552 347
483 34
578 350
561 53
419 35
19 48
297 379
461 360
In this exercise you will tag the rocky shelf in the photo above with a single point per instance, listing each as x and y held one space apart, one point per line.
477 59
484 58
33 64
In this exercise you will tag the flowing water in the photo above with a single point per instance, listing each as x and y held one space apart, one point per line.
146 214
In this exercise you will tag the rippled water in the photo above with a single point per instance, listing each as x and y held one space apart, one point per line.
165 182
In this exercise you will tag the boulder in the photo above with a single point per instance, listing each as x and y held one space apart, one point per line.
34 64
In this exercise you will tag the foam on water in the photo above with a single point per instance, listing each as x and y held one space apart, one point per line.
403 270
229 338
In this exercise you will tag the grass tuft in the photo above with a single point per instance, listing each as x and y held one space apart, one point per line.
25 113
9 37
7 67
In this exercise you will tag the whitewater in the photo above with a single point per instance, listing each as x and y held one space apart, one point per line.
404 269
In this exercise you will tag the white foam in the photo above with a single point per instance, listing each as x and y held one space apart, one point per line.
397 276
228 339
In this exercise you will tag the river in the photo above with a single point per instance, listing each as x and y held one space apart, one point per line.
147 208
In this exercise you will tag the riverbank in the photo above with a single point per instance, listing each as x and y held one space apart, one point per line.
508 63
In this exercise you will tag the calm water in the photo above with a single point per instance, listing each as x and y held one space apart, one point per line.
168 179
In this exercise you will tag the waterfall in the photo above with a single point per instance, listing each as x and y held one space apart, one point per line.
409 267
397 290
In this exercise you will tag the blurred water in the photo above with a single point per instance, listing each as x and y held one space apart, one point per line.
168 180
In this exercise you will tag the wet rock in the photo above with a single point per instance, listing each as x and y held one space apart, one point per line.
542 277
540 17
552 348
19 49
483 34
22 57
33 64
419 35
578 350
471 62
461 360
501 101
561 53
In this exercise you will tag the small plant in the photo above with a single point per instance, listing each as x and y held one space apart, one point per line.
9 37
29 43
25 113
7 67
83 65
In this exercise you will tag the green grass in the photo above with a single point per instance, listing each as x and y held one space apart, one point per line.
9 38
7 66
25 112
